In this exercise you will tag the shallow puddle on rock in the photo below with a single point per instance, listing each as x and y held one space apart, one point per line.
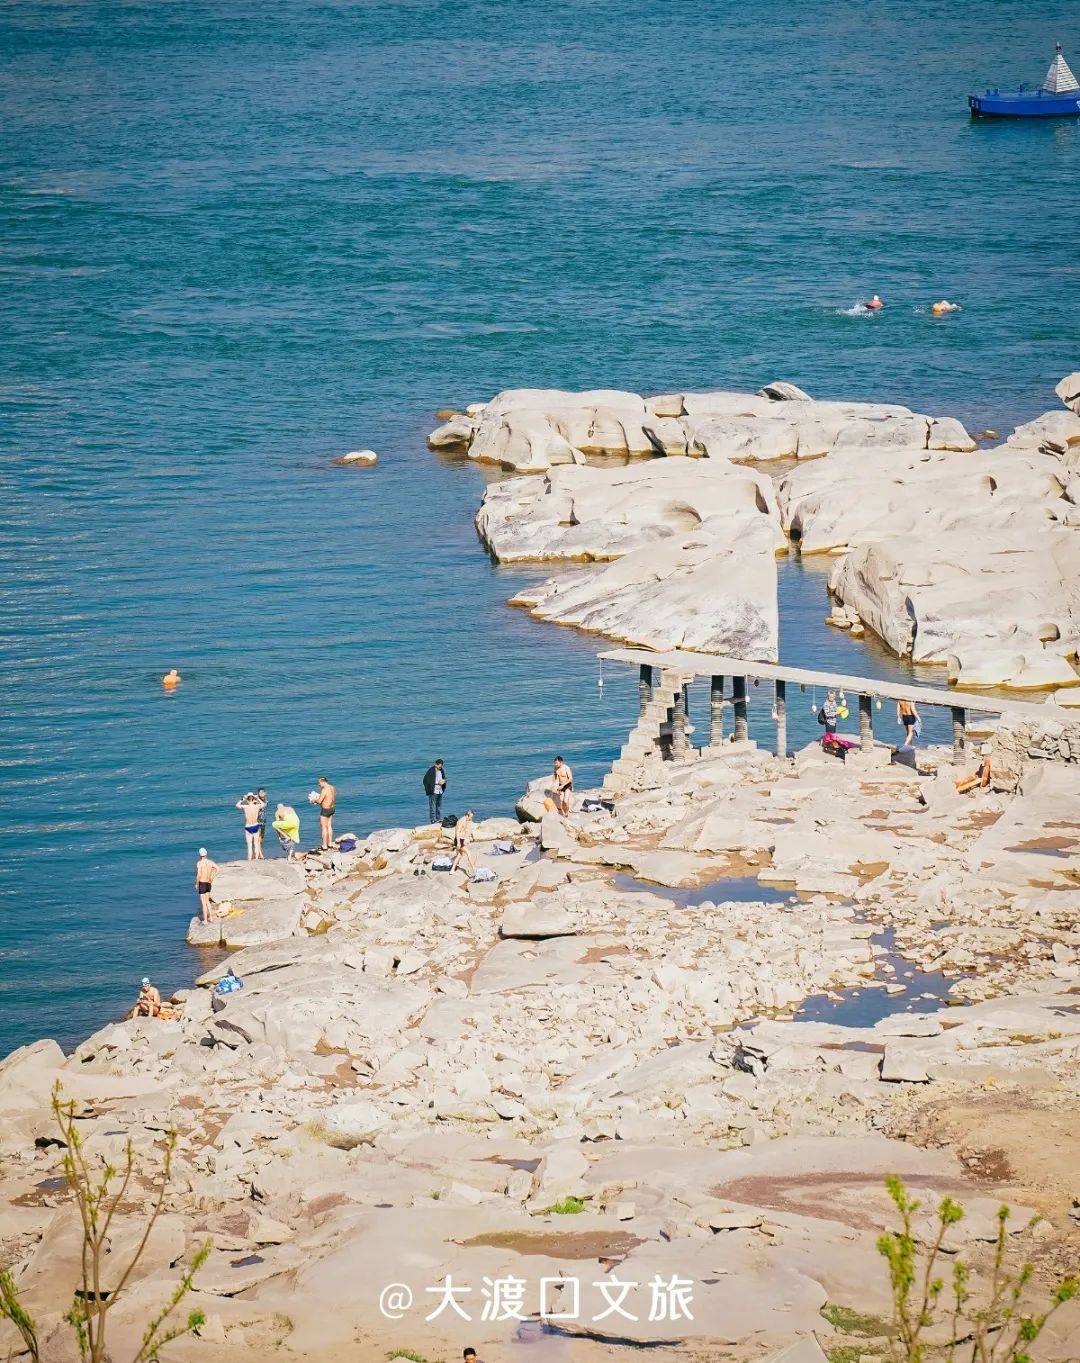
732 889
863 1005
556 1244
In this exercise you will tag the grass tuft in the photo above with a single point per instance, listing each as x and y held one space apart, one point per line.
852 1322
566 1206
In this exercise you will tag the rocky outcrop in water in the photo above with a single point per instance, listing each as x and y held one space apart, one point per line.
966 559
529 430
689 549
970 561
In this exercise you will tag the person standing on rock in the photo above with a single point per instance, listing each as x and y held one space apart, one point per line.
327 803
287 826
564 784
253 811
909 717
264 802
204 879
434 788
463 835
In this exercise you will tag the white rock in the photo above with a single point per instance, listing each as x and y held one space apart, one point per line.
352 1124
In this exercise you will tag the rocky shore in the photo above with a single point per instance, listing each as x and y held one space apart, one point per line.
598 1063
953 555
681 1035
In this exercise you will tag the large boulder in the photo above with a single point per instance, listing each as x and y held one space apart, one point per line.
352 1124
529 430
597 514
713 590
1068 390
1001 611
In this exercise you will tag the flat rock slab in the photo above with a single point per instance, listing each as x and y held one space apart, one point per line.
674 869
257 924
538 919
239 880
200 934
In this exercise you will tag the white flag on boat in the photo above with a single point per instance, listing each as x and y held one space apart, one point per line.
1059 79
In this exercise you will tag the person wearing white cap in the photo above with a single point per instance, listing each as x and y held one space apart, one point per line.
204 879
148 1004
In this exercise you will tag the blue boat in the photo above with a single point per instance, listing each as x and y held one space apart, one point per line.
1057 97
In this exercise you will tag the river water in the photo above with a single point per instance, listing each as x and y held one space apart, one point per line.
237 240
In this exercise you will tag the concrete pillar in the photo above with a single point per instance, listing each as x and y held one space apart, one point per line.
738 692
716 712
781 719
959 733
866 723
678 725
644 686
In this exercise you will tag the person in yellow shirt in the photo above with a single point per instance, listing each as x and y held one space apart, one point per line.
287 826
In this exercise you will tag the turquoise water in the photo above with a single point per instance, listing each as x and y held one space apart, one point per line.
237 240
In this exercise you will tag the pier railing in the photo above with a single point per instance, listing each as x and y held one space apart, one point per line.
718 667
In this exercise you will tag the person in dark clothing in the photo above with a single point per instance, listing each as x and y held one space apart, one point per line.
434 788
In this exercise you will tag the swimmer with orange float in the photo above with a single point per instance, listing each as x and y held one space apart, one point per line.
942 307
171 679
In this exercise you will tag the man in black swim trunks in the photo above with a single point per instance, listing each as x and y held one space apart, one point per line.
204 879
327 805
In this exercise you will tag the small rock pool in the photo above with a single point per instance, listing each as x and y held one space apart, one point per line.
865 1004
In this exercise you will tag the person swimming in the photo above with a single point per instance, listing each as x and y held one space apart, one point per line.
171 678
875 304
943 306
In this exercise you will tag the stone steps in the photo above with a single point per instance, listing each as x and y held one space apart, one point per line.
645 735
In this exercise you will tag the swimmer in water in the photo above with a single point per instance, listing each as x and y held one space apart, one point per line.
940 308
875 304
171 678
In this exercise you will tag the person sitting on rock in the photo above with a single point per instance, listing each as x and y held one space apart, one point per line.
980 779
148 1004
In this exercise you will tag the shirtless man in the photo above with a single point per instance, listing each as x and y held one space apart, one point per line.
564 784
204 878
148 1004
908 716
252 809
463 833
327 804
